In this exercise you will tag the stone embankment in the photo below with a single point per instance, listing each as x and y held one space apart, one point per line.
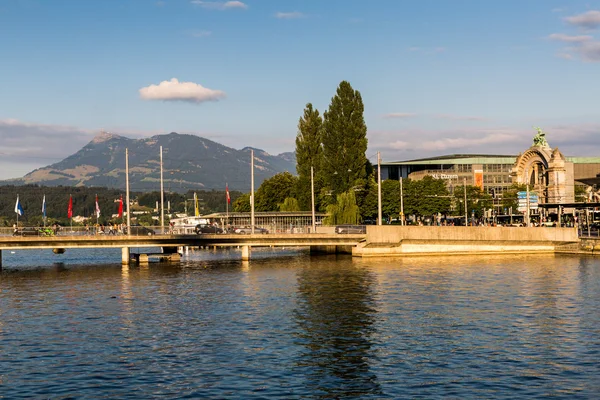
394 241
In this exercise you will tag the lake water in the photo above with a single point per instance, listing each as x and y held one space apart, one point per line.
289 326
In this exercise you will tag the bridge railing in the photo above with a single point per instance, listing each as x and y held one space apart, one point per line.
92 230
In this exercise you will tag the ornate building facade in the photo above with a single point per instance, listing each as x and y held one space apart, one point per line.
547 171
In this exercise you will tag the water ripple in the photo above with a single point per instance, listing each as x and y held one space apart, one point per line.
289 326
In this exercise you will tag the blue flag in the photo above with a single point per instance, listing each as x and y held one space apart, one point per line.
19 208
44 206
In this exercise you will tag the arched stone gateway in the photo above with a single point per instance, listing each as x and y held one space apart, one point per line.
546 170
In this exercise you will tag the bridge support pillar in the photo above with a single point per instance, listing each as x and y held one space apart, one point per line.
246 250
125 256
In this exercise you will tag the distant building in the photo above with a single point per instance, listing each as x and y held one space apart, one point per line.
552 175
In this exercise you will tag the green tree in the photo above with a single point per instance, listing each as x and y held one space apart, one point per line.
390 198
146 220
309 154
242 204
345 211
274 191
477 201
427 196
510 198
367 198
344 137
289 204
581 193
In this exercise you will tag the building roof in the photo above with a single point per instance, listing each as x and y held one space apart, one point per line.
481 159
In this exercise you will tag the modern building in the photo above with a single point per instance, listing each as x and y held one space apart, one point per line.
552 175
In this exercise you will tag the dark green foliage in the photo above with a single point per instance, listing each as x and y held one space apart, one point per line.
146 220
390 198
367 198
242 204
274 191
84 202
509 198
309 154
57 201
427 196
344 137
289 204
345 211
477 201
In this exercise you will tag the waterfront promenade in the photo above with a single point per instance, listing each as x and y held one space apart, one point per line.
379 241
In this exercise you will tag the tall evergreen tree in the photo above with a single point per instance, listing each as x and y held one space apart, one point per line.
308 154
344 137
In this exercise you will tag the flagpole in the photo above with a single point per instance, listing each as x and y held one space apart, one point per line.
227 203
162 196
127 187
252 191
70 202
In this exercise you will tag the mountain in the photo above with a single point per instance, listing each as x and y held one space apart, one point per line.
189 163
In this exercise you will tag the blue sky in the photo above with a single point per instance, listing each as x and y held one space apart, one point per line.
436 77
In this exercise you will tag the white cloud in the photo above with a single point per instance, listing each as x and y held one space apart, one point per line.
27 146
400 115
590 51
220 5
459 117
573 140
289 15
561 37
587 20
174 90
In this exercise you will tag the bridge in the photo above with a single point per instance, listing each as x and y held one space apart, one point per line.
170 243
379 241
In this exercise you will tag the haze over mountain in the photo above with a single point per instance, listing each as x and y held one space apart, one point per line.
189 162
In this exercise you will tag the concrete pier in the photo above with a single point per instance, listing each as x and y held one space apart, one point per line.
246 251
125 255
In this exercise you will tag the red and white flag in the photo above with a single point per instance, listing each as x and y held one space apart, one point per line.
97 208
227 194
121 207
70 209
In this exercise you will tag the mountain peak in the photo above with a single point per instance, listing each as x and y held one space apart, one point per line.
104 136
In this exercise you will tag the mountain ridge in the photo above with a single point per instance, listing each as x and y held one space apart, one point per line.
189 162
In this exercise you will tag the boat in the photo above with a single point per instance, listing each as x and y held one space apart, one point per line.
186 225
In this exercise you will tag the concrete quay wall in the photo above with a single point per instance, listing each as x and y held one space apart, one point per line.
394 241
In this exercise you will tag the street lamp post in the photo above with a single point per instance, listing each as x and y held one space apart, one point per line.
401 204
466 215
379 213
312 199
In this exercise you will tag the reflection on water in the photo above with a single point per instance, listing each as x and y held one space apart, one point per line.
285 325
335 315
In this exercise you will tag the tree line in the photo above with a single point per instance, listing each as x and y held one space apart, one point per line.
84 203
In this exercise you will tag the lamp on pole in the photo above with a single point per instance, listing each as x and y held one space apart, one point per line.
162 195
379 214
252 191
401 204
466 214
312 198
127 189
